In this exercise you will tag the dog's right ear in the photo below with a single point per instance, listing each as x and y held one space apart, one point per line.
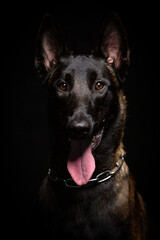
49 46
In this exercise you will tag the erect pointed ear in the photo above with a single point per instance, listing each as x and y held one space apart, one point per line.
50 45
113 42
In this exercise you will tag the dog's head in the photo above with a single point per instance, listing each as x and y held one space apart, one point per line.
84 88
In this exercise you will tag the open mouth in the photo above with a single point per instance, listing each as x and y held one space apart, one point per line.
81 163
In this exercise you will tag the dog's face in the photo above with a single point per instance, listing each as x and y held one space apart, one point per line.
84 88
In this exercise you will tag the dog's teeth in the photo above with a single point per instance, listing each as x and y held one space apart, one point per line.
93 139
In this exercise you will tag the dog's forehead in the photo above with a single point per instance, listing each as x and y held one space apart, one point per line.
81 68
82 64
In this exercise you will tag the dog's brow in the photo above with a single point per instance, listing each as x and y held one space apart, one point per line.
92 74
68 77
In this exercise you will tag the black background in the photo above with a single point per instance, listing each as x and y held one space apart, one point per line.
25 98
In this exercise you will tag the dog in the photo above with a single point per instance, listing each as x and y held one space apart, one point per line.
88 192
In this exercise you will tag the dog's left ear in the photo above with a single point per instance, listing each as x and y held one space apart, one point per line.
113 44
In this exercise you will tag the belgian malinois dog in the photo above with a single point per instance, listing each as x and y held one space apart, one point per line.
88 192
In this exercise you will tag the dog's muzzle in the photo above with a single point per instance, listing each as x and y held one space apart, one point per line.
79 129
80 125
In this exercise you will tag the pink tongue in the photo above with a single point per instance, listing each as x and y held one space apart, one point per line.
81 163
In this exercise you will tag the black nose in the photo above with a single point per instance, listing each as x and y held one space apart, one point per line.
79 129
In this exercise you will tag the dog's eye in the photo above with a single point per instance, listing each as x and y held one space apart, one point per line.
99 85
62 86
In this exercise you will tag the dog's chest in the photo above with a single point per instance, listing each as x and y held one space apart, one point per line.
84 217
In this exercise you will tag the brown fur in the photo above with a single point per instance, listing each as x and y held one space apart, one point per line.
111 210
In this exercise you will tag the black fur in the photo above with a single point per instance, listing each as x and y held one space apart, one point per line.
79 110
